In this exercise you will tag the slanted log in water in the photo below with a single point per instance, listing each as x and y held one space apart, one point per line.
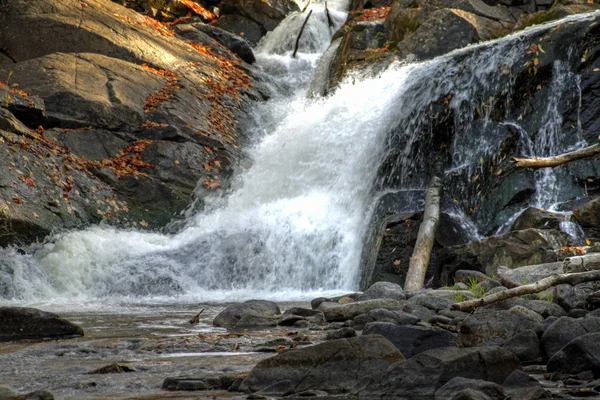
329 20
306 6
549 162
300 34
419 262
541 285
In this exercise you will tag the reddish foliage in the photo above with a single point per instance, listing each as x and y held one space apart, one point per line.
374 14
198 9
154 99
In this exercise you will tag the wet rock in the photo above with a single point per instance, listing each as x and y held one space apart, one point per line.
561 332
409 339
524 345
250 321
395 316
252 19
433 303
20 323
422 375
423 313
332 366
303 312
515 249
200 382
236 44
580 354
494 327
538 219
588 216
251 308
289 319
343 333
281 388
460 387
351 310
302 324
577 313
520 385
114 368
383 290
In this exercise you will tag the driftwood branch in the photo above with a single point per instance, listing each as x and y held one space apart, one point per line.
419 262
306 6
196 319
300 34
549 162
329 20
541 285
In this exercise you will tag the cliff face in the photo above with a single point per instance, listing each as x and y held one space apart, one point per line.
110 115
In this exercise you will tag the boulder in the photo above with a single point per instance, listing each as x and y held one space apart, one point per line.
349 311
524 345
422 375
561 332
342 333
383 290
332 366
588 216
520 385
231 315
456 388
20 323
494 327
434 303
538 219
252 19
580 354
411 340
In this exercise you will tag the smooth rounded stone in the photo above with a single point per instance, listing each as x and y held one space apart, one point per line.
525 345
494 327
467 276
236 44
410 339
302 324
440 319
561 332
454 314
460 286
578 313
544 308
200 382
231 315
18 323
383 290
423 313
257 322
422 375
451 294
453 388
332 366
496 289
432 302
358 323
349 311
315 303
548 321
399 317
303 312
318 319
289 319
519 385
580 354
343 333
526 312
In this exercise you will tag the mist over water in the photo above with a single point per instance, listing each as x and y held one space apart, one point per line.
293 225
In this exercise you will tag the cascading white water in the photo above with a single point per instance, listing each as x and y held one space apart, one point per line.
295 220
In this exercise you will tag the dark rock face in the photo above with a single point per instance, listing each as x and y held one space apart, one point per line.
29 323
565 329
251 312
349 311
494 327
525 345
333 366
410 339
201 382
580 354
383 290
421 376
460 387
252 19
588 216
112 126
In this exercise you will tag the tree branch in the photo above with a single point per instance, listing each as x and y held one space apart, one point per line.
549 162
300 34
541 285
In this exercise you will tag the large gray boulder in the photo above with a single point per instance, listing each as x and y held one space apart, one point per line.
460 387
411 339
494 327
565 329
525 345
580 354
348 311
258 311
383 290
20 323
337 366
422 375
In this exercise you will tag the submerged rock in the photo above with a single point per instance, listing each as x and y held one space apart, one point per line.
201 382
20 323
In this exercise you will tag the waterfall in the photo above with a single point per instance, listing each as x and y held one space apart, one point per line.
295 220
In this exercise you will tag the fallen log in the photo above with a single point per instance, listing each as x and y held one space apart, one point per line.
541 285
549 162
419 261
300 34
329 20
305 7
